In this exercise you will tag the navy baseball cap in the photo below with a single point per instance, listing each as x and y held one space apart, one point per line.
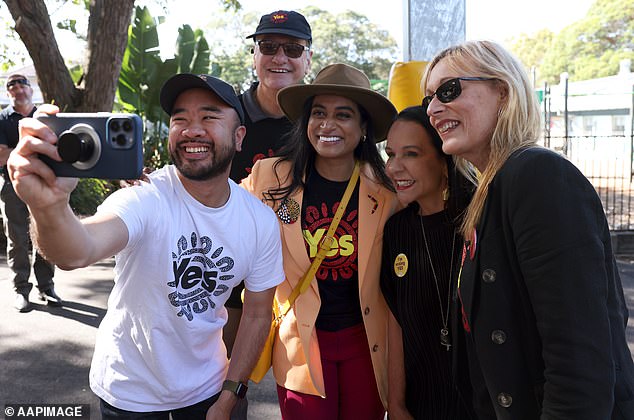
283 22
179 83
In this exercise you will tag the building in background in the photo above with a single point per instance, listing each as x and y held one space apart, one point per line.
597 107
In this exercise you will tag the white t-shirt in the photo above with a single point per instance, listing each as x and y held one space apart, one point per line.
159 346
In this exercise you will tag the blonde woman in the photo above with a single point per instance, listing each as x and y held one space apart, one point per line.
542 301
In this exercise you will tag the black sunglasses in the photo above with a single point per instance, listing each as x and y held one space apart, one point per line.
291 49
14 82
450 90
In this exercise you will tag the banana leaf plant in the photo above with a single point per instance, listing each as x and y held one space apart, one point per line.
143 72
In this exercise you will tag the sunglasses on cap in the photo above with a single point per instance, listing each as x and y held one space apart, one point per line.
291 49
14 82
450 90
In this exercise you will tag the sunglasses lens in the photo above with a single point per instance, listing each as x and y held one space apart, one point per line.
449 91
293 50
17 81
268 47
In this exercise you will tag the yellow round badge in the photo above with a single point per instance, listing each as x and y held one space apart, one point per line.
400 265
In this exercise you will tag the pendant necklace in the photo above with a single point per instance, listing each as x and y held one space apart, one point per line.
444 331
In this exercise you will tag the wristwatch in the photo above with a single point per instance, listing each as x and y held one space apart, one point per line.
237 388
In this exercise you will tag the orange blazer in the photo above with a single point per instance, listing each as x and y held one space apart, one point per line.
296 357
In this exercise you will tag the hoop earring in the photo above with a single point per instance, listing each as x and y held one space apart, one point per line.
363 138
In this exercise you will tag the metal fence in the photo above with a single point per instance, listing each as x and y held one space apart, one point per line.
607 162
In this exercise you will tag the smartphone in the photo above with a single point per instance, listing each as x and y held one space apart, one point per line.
97 145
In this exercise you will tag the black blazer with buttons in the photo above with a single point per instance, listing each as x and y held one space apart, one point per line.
542 299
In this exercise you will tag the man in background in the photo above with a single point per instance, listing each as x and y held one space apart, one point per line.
281 57
15 214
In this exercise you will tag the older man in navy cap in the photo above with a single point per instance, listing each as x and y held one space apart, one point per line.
182 242
281 57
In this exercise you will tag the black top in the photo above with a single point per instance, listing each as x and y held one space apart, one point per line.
338 275
9 126
9 119
411 294
542 298
264 137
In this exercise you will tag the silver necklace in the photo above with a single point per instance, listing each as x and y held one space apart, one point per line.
444 331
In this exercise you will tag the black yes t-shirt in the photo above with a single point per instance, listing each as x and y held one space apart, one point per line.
337 276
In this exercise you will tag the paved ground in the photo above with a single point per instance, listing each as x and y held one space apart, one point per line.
45 354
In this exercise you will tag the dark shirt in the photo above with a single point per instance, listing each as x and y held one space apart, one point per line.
9 119
9 126
264 138
337 276
437 380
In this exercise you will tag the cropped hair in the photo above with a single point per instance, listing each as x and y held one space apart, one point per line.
518 123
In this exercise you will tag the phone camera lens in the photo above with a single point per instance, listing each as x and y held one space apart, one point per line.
114 125
127 125
121 140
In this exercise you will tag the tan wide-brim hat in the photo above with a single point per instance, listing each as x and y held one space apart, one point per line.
341 80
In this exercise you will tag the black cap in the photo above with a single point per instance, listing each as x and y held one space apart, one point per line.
179 83
283 22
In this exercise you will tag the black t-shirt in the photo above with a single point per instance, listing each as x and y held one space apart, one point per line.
9 129
264 138
9 126
337 276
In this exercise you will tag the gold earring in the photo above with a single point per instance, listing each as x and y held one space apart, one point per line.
445 194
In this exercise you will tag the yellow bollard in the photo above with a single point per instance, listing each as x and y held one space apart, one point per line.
404 84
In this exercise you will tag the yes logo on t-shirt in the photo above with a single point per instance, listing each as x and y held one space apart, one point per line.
341 261
199 275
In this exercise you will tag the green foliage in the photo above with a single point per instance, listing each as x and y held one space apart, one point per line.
380 85
89 194
589 48
236 69
12 51
531 50
347 37
143 72
69 25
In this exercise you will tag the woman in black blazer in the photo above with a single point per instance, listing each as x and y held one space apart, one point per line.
542 301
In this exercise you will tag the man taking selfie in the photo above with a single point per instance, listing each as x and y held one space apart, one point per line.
181 243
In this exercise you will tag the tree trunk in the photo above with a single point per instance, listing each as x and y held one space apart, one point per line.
33 25
107 37
107 40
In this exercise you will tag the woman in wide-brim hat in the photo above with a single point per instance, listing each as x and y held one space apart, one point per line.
330 356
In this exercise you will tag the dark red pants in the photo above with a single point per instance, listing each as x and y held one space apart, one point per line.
351 391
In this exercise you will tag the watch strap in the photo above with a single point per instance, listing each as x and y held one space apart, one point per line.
237 388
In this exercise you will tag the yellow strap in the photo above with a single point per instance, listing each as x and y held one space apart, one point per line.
324 246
